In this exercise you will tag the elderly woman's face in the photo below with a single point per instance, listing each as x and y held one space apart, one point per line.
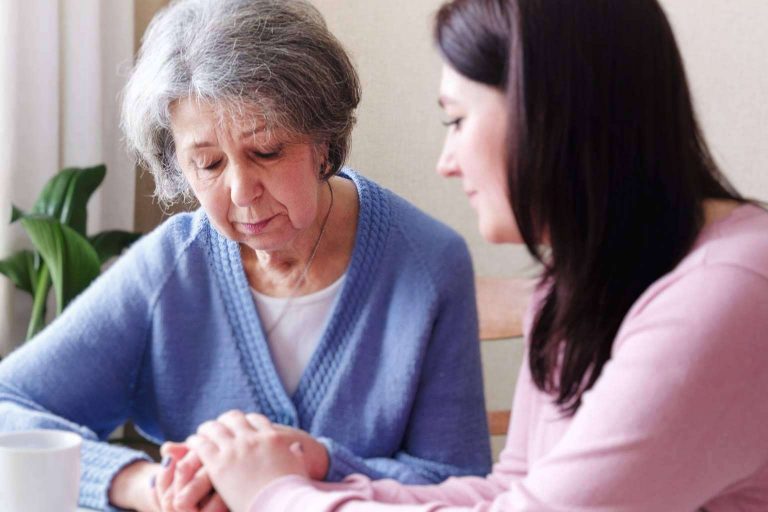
257 189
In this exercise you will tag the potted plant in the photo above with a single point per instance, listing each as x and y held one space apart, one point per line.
64 256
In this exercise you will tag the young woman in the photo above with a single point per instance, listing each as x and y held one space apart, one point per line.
572 130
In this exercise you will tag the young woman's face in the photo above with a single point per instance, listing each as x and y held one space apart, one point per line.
475 151
257 190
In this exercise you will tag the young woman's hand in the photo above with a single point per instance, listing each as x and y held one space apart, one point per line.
242 454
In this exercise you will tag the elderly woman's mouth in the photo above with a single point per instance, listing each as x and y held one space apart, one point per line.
253 228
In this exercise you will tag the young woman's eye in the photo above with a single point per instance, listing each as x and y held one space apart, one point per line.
455 122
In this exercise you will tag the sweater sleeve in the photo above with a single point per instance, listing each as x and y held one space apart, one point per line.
447 432
677 415
79 373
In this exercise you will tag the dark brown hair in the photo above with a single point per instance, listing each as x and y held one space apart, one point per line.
608 165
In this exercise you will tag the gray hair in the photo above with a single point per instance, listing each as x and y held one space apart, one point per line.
276 57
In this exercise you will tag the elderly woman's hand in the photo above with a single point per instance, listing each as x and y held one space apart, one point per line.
184 485
132 487
315 454
242 454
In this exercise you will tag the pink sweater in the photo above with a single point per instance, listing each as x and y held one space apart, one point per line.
677 421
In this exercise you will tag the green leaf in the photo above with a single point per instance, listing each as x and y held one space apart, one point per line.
20 268
39 302
111 243
65 196
71 259
16 213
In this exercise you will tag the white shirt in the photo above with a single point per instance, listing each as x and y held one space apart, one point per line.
293 327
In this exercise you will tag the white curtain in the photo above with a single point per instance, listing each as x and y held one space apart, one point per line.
62 66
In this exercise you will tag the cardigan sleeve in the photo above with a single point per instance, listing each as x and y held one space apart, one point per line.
78 374
677 416
447 433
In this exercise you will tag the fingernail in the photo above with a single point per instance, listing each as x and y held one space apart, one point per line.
152 481
166 461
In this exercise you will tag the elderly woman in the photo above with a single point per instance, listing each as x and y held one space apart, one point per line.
298 290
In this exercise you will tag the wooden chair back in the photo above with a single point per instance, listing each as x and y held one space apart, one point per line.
501 304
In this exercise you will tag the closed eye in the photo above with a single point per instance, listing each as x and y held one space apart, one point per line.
453 122
210 167
267 156
268 153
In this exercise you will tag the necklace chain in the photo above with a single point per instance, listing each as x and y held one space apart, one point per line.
303 276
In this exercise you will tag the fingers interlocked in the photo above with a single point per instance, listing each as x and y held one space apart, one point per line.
184 484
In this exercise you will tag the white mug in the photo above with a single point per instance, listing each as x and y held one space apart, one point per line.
39 471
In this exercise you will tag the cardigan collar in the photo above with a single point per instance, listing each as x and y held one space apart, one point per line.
270 398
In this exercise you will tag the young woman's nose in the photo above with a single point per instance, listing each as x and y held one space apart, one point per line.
446 164
245 185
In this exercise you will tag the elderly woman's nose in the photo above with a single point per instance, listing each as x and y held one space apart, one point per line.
245 185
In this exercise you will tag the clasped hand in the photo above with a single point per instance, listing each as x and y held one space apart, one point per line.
228 461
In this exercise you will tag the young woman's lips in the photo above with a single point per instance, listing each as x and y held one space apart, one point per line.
254 228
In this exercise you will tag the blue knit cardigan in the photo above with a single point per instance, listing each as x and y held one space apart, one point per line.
169 337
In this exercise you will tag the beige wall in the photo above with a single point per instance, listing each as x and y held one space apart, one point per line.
147 214
725 47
